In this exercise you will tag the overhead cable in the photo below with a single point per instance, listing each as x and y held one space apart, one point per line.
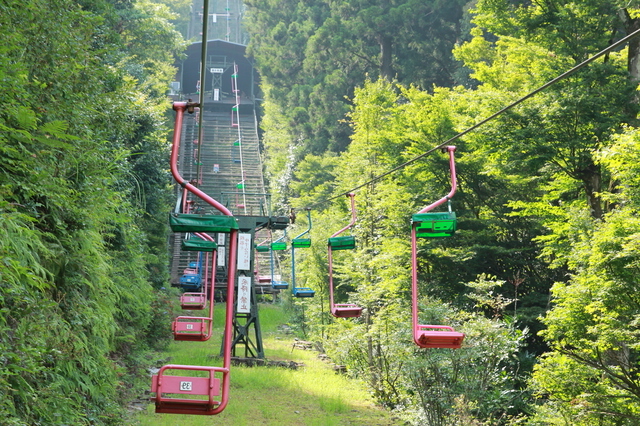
491 117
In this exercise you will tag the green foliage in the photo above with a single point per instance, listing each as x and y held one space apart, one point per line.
483 374
312 55
593 323
392 124
75 255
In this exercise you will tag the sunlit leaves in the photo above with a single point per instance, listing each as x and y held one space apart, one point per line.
75 290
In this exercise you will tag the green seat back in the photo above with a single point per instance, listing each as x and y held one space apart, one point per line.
301 242
279 246
262 249
434 225
342 243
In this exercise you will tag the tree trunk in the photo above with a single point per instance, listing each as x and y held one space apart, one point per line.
633 58
386 44
591 177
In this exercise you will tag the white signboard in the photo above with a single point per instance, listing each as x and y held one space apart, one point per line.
216 94
244 252
244 295
221 239
222 256
217 70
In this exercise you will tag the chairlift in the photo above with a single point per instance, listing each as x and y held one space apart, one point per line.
191 282
193 394
261 248
278 245
342 310
197 300
429 225
191 328
299 242
193 301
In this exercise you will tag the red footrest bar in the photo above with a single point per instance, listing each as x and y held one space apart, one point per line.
187 394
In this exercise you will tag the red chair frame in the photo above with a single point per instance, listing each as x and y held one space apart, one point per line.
432 336
166 404
197 328
342 310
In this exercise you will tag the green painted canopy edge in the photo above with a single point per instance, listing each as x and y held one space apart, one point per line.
198 245
181 222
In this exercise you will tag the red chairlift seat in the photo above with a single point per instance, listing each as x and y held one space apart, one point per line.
437 336
187 394
346 310
193 301
193 329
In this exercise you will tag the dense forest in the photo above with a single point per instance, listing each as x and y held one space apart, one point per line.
84 196
541 275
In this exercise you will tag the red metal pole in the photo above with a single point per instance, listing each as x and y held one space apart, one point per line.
414 280
331 279
228 328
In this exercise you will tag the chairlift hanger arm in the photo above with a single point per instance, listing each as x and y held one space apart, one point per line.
180 108
454 182
281 238
300 292
351 195
308 220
